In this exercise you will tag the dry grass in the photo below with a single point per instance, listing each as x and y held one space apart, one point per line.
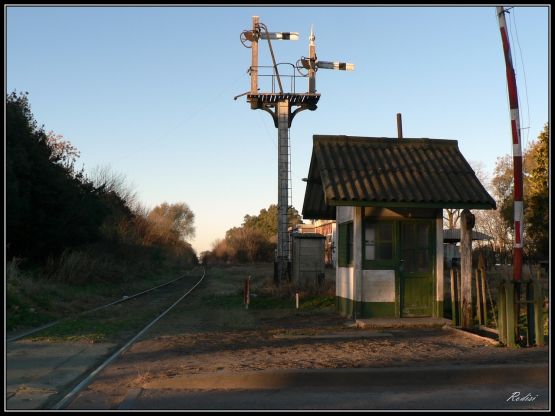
225 280
143 376
289 289
75 266
13 272
73 284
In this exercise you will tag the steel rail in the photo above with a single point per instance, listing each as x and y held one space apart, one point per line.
124 299
84 383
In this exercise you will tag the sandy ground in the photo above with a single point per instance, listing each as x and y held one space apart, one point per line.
203 337
292 343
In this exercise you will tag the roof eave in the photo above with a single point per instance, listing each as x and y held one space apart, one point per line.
390 204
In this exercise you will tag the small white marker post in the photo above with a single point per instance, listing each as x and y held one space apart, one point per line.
297 300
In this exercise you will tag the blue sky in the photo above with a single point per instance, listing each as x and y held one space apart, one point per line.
149 91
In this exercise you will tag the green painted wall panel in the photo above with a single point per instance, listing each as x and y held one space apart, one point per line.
378 310
344 306
365 309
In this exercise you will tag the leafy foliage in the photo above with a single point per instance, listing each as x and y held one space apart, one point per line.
535 162
254 241
537 212
62 151
49 206
266 222
80 228
172 222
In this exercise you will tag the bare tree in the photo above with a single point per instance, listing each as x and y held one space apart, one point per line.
106 179
63 152
451 216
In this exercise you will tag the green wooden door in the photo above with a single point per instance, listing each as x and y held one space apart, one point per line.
416 270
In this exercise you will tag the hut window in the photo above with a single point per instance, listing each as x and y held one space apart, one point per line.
345 249
378 240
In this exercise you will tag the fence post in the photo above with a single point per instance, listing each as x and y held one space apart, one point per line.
502 313
538 313
454 308
467 221
459 289
246 292
478 297
510 313
530 313
484 300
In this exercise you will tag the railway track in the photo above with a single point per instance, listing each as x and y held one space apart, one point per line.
90 311
156 302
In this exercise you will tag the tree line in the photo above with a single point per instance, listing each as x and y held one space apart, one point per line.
255 240
499 224
53 208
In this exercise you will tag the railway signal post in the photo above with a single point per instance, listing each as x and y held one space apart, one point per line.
283 106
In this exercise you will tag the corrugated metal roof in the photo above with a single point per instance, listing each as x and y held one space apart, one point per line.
454 235
371 171
307 235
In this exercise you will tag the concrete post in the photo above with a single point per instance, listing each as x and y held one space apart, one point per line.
467 223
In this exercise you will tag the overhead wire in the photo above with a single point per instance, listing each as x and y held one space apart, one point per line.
525 83
512 39
194 115
269 136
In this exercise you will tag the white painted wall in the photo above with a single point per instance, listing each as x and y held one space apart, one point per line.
344 276
378 285
334 239
344 214
375 285
344 279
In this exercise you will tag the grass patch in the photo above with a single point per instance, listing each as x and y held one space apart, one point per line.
33 300
318 302
91 330
225 285
265 302
22 315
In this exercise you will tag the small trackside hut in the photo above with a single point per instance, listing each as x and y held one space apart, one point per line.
387 196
